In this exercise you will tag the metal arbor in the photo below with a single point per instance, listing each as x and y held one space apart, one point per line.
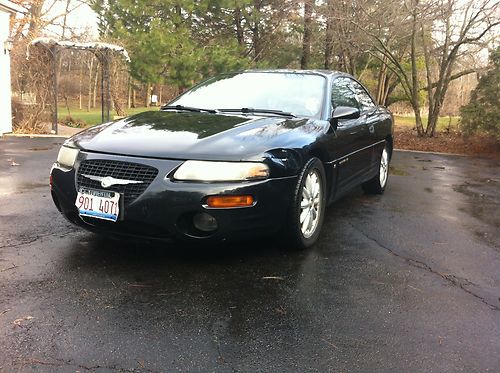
101 50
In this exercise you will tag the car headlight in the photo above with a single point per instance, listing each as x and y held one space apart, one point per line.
67 156
221 171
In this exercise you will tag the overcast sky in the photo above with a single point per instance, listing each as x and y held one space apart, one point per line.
82 19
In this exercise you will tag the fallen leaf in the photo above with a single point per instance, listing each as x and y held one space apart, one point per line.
414 288
11 267
140 285
272 278
330 343
21 319
281 310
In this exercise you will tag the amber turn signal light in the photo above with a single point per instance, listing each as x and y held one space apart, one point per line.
229 201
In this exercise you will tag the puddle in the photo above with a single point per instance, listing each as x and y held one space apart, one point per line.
483 204
465 189
21 188
30 186
394 170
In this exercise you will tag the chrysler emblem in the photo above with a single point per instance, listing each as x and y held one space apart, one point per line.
108 181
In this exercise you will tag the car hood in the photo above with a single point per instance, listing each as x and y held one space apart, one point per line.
163 134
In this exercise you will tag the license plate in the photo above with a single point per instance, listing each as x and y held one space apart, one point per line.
98 204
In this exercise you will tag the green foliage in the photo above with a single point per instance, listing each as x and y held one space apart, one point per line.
482 113
175 42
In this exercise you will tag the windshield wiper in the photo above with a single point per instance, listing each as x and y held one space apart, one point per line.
249 110
188 108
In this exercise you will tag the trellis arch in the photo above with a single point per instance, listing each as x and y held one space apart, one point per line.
101 50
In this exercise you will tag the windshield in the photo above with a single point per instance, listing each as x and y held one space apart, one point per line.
296 93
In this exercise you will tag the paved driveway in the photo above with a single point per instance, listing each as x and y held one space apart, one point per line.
408 281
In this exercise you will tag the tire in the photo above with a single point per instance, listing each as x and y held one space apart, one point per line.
306 214
377 184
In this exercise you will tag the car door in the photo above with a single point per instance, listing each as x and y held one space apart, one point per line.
352 136
371 116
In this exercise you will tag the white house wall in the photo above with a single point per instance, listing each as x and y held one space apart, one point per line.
5 89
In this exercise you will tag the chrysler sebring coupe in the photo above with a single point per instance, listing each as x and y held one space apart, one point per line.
238 155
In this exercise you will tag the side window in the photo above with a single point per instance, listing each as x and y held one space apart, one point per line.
364 98
343 93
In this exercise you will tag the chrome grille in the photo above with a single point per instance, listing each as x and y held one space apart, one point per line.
118 170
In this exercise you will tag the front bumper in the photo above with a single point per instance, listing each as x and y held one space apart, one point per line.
166 209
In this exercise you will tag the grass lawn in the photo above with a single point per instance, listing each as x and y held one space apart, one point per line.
443 122
93 116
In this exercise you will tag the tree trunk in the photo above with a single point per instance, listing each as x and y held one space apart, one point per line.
35 13
129 94
239 28
147 96
91 68
385 84
434 114
80 87
94 96
256 40
418 121
257 47
351 64
382 81
431 120
389 88
431 125
65 19
415 93
306 40
116 103
114 89
329 36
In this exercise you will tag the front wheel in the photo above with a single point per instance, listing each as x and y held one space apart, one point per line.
378 183
308 206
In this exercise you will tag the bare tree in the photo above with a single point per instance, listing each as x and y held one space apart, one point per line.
41 14
345 48
438 33
306 40
460 27
329 34
31 117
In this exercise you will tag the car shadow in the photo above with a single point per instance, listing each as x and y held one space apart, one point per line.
92 250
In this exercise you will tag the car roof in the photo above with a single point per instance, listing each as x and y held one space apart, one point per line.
297 71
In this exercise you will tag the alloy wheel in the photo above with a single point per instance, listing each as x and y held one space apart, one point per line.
384 167
310 205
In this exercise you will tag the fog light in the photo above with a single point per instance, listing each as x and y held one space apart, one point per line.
205 222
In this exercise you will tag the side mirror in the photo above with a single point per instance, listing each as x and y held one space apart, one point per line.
343 112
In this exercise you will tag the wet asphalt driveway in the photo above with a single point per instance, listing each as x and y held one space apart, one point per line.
408 281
